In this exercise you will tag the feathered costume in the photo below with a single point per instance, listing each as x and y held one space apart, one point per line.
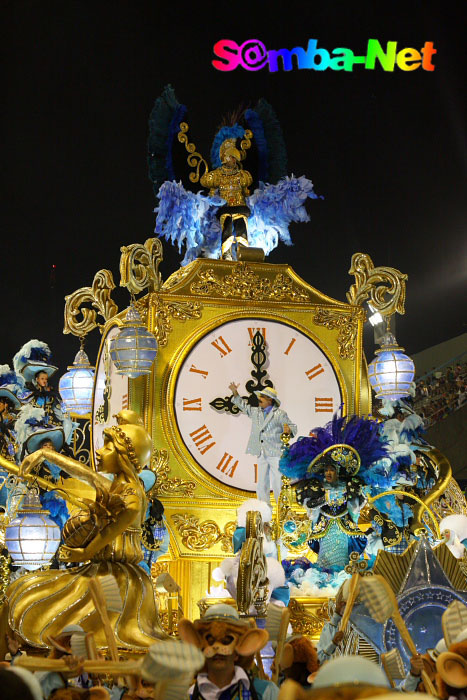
44 409
349 445
191 220
11 385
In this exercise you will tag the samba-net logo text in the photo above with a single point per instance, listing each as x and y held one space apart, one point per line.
253 55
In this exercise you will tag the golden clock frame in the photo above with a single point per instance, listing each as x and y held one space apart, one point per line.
200 511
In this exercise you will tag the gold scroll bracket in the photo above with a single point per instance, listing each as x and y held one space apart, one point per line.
139 266
98 295
383 287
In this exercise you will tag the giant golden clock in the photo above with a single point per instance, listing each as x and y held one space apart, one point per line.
254 351
205 317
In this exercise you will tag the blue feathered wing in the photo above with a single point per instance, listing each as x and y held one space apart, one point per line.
189 220
274 207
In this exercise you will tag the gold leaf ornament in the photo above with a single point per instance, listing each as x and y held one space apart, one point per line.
383 287
243 283
98 295
198 535
165 311
166 486
139 266
346 323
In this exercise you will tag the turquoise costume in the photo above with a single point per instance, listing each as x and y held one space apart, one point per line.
334 532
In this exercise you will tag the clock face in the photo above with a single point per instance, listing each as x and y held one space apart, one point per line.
110 392
215 435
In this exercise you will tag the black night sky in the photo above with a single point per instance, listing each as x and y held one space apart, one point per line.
385 149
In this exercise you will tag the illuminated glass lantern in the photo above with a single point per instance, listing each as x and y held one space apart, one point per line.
76 385
32 537
391 372
134 349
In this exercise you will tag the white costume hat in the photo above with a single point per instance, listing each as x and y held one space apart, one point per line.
441 646
171 660
350 670
270 392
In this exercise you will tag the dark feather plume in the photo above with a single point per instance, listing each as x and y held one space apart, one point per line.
164 124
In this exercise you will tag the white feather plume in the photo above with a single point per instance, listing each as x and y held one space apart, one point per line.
253 504
24 353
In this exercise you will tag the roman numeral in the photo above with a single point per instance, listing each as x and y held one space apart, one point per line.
290 346
256 473
192 405
252 332
222 346
323 405
203 372
314 371
225 467
200 436
125 401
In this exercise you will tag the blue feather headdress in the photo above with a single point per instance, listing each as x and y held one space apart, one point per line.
32 351
226 132
361 434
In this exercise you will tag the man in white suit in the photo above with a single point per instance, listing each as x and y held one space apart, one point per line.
268 422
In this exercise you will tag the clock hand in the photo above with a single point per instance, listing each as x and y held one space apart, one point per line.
258 360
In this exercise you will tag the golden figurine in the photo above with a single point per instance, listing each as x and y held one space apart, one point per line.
231 183
106 537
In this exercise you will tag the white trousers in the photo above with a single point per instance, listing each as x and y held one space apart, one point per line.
269 478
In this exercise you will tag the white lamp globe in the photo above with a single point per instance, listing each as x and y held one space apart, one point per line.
134 349
77 384
391 372
32 537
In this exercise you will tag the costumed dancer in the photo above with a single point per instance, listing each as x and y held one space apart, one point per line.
231 183
51 681
268 422
155 537
32 362
346 677
229 645
104 539
331 636
278 591
335 468
422 662
451 667
299 661
453 529
10 386
206 225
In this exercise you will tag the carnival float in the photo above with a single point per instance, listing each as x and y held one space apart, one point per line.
240 449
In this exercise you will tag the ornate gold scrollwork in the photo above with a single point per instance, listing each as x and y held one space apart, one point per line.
165 486
195 159
4 575
252 577
347 324
139 266
305 622
242 282
98 296
164 311
177 277
245 143
451 502
384 287
198 535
